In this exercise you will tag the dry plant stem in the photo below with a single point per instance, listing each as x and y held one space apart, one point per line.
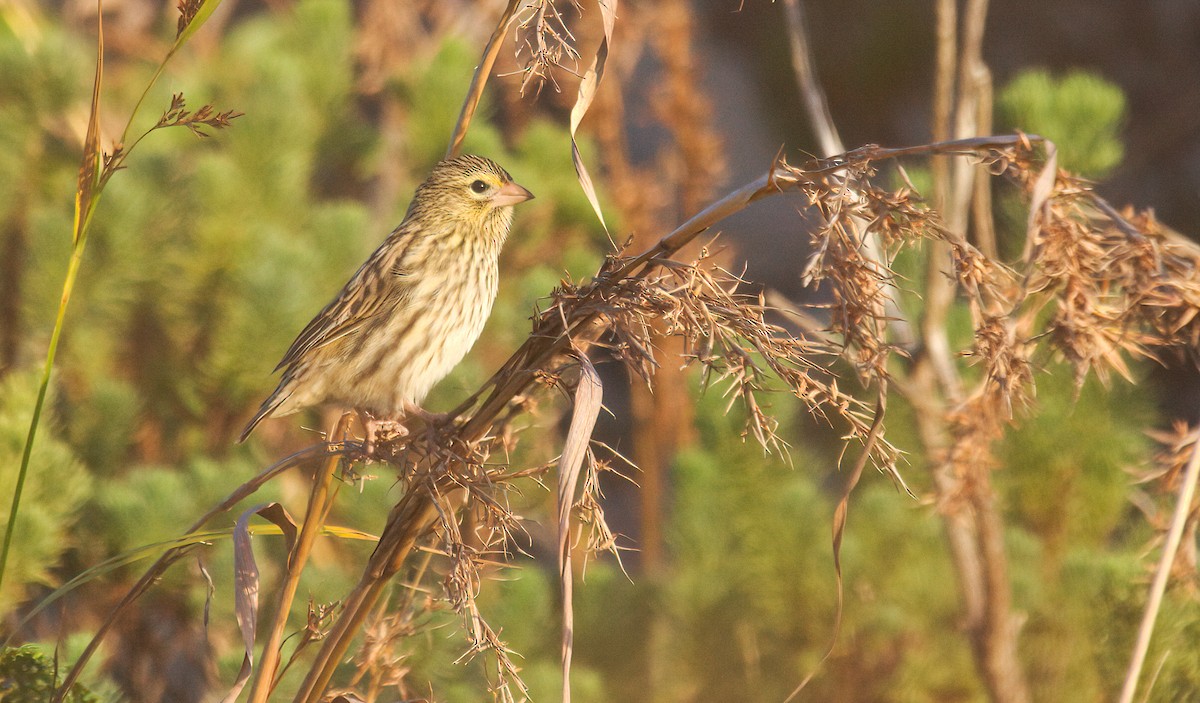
971 74
1187 494
974 526
995 639
819 117
314 517
479 80
930 409
938 291
983 219
956 187
821 121
173 555
943 93
410 519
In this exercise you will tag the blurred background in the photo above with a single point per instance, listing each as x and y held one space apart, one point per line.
208 255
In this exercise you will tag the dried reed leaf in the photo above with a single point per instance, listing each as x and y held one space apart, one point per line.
246 583
587 92
589 394
1042 188
840 514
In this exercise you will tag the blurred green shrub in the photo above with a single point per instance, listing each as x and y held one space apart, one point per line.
56 487
1080 112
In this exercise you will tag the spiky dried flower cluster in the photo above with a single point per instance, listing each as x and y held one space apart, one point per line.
859 283
457 475
544 43
1094 286
188 9
726 333
1165 474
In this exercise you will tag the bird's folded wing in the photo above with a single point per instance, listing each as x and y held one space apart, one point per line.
377 288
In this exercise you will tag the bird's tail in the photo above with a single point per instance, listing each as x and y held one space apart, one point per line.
268 407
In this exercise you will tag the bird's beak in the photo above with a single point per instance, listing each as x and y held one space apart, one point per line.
511 194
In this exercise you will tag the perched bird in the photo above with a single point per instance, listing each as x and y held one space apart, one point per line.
413 310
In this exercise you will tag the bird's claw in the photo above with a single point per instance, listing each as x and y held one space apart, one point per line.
386 430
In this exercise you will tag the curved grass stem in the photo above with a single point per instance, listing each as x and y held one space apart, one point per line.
39 404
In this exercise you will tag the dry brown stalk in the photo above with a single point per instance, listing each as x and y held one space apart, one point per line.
479 80
1184 519
319 502
958 424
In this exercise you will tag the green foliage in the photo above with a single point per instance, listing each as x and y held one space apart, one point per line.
751 599
56 486
1065 474
1081 112
1068 489
28 676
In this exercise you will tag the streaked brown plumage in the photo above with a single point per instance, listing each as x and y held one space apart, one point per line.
414 309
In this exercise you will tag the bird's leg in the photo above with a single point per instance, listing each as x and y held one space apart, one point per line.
411 409
429 419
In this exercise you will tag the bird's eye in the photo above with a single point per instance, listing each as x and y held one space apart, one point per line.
479 187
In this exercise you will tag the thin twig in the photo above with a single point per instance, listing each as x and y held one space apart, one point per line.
821 121
819 117
479 81
1183 507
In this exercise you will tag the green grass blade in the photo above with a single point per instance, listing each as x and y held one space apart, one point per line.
157 549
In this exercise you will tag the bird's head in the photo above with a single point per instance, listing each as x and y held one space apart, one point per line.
473 188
